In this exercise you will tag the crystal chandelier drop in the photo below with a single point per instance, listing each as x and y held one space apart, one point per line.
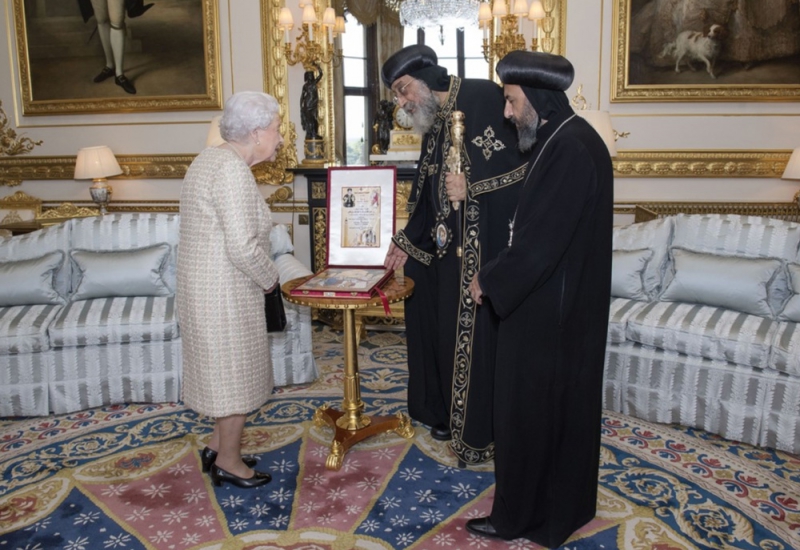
439 13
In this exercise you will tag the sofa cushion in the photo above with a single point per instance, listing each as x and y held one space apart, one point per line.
128 231
731 282
38 243
620 311
704 331
654 235
749 236
280 242
23 329
791 310
627 273
30 282
110 273
785 355
115 320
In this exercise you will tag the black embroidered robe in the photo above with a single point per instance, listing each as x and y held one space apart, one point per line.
451 345
551 290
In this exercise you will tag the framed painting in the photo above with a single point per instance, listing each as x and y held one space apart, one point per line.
116 56
706 50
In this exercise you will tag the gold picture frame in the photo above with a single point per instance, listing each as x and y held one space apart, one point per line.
648 44
57 70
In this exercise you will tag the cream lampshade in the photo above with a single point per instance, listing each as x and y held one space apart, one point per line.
792 171
214 138
96 164
601 122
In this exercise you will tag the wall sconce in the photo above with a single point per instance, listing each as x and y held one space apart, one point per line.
314 45
96 164
505 16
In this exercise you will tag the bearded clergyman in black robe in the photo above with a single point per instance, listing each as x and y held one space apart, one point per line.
451 344
551 289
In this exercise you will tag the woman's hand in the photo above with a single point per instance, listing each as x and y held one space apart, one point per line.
270 289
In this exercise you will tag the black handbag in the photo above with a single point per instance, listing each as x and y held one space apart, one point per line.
273 307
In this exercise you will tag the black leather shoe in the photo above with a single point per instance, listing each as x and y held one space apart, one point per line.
105 74
218 476
208 456
126 84
483 527
441 432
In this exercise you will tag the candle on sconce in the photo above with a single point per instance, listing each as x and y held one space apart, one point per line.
485 18
309 18
499 10
536 14
285 22
329 22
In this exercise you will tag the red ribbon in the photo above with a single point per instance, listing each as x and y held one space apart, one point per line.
385 302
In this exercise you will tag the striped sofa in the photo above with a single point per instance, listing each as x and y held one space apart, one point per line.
88 317
704 327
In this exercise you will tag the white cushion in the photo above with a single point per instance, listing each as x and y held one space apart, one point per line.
791 311
627 273
280 242
704 331
655 235
731 282
31 281
136 272
620 310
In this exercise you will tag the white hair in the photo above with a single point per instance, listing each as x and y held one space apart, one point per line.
245 112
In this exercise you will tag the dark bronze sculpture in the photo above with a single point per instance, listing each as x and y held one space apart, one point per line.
309 104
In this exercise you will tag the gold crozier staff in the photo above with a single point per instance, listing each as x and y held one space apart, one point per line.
453 161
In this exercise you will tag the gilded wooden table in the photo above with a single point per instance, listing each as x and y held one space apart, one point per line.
351 425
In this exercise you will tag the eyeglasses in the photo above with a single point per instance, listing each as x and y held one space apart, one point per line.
401 91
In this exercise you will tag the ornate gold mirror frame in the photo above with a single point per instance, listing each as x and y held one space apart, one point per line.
276 77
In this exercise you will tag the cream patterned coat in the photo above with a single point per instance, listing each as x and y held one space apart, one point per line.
223 269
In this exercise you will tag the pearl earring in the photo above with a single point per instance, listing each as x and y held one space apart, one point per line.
258 142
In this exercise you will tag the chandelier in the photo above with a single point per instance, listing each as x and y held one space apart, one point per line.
439 13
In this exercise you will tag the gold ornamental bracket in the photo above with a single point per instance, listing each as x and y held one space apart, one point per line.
10 143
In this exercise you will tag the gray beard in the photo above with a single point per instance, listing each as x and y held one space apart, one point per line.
527 127
425 114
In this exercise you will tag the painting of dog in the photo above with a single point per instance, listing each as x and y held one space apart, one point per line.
696 46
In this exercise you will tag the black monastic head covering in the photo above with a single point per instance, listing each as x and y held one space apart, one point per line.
543 78
417 61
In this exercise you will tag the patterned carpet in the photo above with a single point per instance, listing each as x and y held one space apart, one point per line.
129 477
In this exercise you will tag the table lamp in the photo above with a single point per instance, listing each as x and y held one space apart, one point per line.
97 163
792 171
214 138
601 122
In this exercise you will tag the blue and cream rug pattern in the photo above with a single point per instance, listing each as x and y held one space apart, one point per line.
128 477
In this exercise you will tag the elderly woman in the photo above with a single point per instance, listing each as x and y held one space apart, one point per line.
224 268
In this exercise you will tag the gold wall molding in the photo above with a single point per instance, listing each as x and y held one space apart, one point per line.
14 171
700 163
632 163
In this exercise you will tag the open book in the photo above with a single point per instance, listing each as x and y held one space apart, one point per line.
356 282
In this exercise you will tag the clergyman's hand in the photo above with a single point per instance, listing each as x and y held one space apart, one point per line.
395 258
475 290
456 185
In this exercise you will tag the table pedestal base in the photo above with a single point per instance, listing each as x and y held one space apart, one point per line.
344 438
